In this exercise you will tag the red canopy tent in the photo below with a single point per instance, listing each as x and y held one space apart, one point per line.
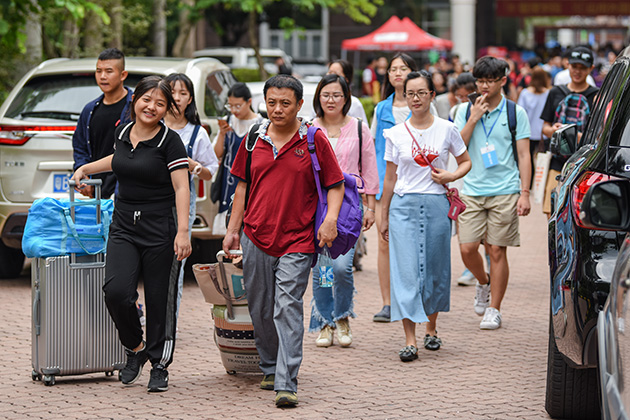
397 35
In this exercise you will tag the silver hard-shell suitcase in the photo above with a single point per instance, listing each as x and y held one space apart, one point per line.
72 332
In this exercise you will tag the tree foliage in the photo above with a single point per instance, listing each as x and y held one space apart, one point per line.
358 10
14 14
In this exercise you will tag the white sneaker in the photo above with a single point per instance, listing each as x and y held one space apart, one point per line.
491 319
344 334
325 338
466 279
482 298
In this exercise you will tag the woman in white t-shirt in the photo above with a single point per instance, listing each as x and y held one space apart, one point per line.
415 213
202 161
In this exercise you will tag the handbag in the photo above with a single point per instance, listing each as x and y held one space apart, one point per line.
350 219
543 162
457 206
217 185
50 230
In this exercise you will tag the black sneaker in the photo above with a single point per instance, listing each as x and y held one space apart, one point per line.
384 315
159 379
133 369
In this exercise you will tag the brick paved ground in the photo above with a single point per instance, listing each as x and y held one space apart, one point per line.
476 375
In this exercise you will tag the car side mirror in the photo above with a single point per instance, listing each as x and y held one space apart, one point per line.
606 205
564 141
262 109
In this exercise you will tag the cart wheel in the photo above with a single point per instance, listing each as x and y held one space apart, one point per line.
231 372
36 376
119 375
110 373
49 380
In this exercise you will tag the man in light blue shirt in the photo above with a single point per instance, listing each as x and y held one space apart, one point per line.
496 190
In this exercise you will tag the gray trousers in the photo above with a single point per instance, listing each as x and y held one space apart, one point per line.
275 287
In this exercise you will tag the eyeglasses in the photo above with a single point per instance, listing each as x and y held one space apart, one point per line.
233 107
335 96
487 82
419 94
401 69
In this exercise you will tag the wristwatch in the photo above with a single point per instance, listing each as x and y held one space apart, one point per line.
197 169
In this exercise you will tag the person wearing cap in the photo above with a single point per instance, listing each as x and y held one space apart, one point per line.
563 77
580 67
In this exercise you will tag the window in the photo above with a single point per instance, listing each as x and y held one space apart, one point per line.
605 105
58 97
217 86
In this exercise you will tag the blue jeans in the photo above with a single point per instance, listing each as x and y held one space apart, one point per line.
331 304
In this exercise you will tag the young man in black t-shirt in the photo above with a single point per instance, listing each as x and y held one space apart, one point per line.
94 136
580 67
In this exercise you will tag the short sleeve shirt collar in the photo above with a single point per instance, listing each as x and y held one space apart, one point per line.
262 134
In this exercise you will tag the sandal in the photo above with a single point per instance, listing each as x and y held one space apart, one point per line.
432 342
408 353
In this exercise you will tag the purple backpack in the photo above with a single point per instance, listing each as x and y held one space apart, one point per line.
350 219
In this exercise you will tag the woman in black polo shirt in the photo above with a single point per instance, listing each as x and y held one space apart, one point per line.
149 230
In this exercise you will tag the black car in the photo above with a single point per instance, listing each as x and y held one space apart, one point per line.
581 258
607 206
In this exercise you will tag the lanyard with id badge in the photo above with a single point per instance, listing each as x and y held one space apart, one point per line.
489 153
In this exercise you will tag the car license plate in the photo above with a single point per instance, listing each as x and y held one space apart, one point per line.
60 183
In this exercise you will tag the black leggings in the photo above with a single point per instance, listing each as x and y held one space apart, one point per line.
141 243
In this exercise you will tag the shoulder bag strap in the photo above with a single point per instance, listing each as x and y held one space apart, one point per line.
426 159
360 128
193 138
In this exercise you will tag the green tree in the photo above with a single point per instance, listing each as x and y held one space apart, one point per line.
358 10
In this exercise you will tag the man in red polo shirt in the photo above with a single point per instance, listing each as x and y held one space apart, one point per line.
278 233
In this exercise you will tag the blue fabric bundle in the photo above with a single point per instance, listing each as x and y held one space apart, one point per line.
50 231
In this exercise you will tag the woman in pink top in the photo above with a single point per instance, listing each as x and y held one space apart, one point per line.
332 306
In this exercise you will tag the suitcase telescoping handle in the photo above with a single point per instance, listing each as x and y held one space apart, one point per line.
98 259
97 183
226 289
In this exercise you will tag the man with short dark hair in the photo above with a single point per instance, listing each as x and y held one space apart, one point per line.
496 190
278 237
93 138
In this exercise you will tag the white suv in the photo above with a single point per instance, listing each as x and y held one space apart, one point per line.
39 117
244 58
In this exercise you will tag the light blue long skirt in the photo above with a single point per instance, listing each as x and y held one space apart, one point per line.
419 256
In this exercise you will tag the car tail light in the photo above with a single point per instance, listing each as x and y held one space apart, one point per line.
586 181
201 191
18 135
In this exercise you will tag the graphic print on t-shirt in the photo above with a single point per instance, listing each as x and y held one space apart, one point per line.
419 154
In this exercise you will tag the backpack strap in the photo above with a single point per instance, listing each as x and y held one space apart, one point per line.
193 138
310 140
250 143
564 89
360 128
511 116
